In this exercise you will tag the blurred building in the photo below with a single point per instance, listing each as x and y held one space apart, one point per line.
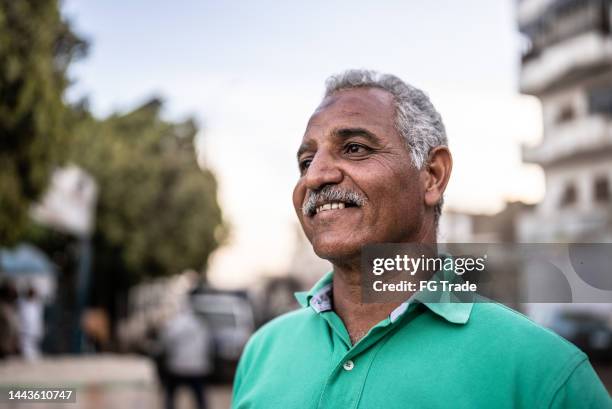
460 227
465 231
567 65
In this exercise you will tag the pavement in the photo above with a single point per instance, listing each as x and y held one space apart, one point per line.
101 381
118 381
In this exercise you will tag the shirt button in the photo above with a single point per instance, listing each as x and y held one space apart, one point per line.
348 365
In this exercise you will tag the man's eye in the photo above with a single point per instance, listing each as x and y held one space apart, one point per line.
355 148
304 164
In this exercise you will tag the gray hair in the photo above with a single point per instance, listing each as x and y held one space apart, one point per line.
416 119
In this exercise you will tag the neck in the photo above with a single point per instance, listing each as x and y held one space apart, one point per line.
360 317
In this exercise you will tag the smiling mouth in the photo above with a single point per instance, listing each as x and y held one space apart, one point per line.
333 206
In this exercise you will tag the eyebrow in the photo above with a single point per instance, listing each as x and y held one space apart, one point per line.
303 148
344 133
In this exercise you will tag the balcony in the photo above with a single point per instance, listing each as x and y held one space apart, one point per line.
554 64
580 137
552 22
567 225
564 38
530 10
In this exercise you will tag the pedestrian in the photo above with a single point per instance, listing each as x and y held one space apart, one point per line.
31 320
187 355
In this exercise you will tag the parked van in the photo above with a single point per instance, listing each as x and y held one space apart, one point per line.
230 317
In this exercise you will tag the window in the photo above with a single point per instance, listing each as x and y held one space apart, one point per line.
566 114
602 189
600 100
569 196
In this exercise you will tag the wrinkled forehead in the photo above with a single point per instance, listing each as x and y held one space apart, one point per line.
354 107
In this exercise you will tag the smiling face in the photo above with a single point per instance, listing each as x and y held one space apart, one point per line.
357 172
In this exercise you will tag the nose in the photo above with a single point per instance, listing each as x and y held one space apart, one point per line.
323 170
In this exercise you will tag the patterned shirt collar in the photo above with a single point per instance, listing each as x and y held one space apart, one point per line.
319 298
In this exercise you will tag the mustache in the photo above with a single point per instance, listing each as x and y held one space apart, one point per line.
330 193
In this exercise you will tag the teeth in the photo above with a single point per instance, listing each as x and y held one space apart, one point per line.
331 206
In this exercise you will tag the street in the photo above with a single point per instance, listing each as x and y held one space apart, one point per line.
117 381
101 382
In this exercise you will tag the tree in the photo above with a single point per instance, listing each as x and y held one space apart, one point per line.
157 209
36 48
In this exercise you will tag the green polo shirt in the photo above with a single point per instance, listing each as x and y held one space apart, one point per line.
424 355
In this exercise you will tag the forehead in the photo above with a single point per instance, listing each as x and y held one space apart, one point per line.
367 107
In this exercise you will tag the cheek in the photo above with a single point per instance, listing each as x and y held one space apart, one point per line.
299 193
410 203
401 198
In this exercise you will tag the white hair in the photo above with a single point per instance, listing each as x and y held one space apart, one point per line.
416 119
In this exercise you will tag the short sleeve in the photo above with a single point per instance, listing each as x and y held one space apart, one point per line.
582 390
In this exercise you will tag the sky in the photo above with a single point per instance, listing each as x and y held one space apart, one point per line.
251 73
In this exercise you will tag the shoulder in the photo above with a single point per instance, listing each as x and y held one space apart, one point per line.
512 340
499 318
280 330
516 331
272 339
282 327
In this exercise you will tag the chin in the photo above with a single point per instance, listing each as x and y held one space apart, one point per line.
335 250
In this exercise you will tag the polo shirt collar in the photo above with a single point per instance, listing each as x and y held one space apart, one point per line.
440 303
319 296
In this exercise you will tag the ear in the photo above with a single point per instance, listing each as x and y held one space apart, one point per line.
437 173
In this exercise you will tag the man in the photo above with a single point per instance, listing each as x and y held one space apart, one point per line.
186 345
31 323
374 164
